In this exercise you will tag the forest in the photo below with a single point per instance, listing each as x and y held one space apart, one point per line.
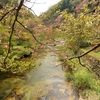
46 57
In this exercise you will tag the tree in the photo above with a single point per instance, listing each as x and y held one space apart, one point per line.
81 31
65 5
13 14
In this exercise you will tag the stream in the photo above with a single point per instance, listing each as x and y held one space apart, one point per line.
44 82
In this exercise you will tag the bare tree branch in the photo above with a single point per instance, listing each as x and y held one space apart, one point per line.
7 13
33 4
13 27
29 32
17 9
12 31
80 56
30 10
36 2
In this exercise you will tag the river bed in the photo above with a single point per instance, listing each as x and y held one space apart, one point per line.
44 82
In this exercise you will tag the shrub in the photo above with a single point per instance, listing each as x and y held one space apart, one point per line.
69 76
1 51
19 52
17 67
83 78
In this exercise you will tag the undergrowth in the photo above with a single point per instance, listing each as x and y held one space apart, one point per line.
84 80
17 66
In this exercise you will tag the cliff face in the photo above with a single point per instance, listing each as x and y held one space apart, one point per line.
53 15
79 7
91 4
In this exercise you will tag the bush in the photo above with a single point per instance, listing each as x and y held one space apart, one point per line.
17 67
83 78
69 76
19 52
1 51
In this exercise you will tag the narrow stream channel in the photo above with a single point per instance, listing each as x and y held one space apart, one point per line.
45 82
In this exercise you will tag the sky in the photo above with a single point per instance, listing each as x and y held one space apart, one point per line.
42 5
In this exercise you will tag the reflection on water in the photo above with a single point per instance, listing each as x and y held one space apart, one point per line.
45 82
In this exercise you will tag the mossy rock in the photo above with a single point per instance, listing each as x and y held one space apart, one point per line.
19 52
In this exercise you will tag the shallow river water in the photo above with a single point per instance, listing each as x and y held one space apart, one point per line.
44 82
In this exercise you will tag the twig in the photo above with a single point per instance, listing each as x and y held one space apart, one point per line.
97 46
33 4
31 10
30 32
12 31
7 13
80 56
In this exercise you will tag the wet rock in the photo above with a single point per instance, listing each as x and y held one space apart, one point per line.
62 91
46 83
43 98
53 98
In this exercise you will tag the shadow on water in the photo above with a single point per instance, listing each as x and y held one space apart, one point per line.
45 82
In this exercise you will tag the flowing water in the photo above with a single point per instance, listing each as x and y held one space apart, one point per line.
44 82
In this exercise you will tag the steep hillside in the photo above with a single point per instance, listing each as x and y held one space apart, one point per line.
70 6
77 27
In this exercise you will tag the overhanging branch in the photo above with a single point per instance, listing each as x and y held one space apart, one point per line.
80 56
30 32
12 31
7 13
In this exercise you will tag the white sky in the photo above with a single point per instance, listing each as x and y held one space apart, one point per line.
43 6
